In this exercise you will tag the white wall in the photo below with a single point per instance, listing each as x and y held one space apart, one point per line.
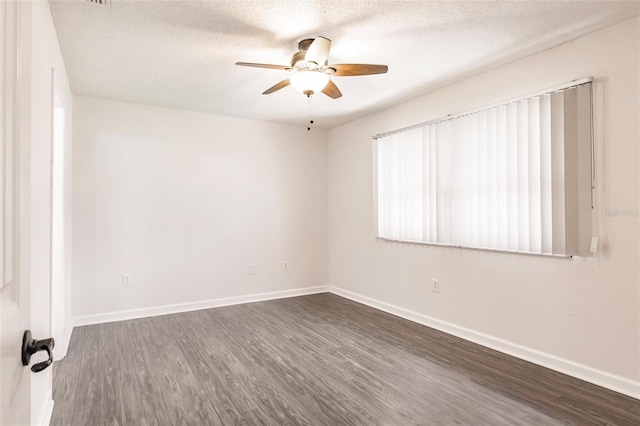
580 313
45 57
184 202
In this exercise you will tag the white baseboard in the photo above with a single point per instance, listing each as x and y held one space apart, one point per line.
45 417
598 377
193 306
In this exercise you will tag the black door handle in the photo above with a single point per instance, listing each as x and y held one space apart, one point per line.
30 346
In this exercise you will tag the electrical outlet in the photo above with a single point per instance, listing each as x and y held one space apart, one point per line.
126 280
435 286
285 266
252 269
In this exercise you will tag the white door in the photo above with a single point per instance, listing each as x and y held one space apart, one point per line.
15 302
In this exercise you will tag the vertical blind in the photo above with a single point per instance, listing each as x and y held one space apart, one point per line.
515 177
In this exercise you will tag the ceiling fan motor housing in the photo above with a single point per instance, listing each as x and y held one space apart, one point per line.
298 59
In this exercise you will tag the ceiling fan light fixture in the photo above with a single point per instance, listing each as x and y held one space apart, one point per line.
309 81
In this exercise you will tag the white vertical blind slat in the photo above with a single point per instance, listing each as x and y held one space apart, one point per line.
502 161
433 170
512 176
546 194
426 184
492 178
535 233
474 188
523 175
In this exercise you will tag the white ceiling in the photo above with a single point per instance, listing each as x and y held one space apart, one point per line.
181 54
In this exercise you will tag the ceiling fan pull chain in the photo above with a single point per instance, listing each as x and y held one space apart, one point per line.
309 112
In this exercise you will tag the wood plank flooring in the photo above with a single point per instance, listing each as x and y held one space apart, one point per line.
312 360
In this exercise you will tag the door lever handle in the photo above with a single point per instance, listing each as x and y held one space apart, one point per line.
30 346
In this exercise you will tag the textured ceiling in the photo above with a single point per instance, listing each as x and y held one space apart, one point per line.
181 54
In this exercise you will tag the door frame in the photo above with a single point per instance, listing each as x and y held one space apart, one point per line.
58 240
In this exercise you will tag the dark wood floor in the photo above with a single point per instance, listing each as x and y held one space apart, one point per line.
313 360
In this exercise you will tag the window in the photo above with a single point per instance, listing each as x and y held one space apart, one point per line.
514 177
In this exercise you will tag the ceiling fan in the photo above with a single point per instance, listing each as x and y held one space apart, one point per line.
310 71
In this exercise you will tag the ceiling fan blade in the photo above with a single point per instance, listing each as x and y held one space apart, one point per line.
344 70
269 66
331 90
318 51
283 83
